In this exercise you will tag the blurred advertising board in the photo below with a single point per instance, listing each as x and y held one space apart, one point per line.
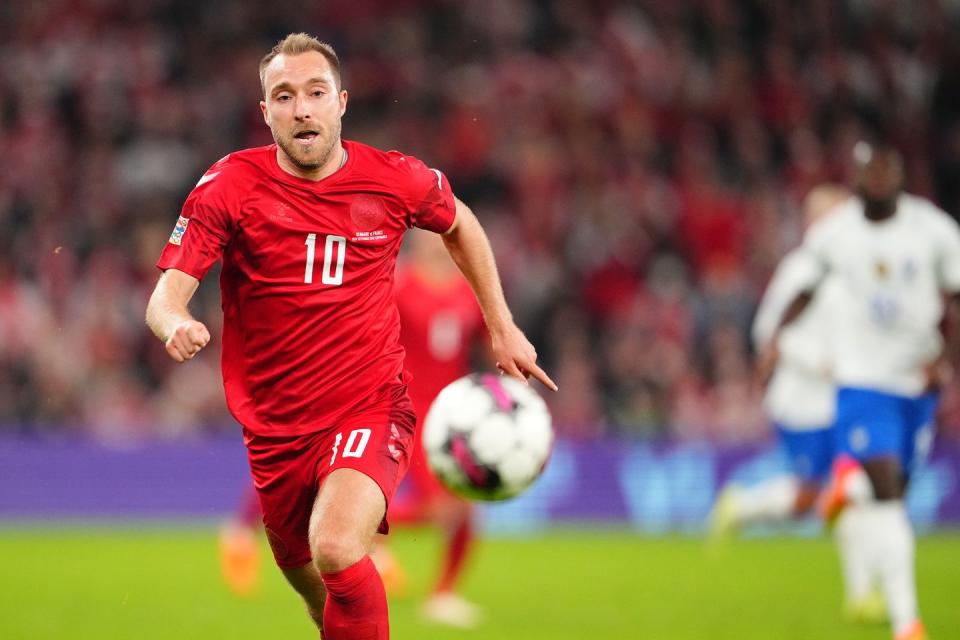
655 488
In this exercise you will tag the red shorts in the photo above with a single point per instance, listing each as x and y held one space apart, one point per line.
289 470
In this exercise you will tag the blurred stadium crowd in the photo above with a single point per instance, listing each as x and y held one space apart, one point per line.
638 166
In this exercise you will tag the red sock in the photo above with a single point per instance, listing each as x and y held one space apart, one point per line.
356 607
453 561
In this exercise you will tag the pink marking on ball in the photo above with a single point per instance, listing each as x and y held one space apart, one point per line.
500 395
461 453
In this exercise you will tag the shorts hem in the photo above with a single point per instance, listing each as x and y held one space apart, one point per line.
290 564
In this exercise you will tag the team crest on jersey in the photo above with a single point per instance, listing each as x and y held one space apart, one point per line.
367 212
881 269
177 236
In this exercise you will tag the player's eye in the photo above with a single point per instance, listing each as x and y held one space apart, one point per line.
283 97
317 93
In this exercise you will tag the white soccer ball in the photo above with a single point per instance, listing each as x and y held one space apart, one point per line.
487 437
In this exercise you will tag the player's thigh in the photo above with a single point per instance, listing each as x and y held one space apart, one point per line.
886 477
346 515
452 512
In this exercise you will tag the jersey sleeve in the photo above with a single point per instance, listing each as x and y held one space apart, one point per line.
790 279
430 199
812 258
204 226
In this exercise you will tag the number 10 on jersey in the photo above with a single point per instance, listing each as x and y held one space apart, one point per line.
333 244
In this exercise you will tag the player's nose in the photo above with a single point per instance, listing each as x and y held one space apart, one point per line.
300 111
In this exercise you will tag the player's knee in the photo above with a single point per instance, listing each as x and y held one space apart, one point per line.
334 551
806 498
455 513
884 492
886 488
885 478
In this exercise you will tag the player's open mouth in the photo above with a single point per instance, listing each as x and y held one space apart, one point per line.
306 136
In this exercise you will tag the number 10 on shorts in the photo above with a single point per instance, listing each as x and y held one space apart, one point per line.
356 443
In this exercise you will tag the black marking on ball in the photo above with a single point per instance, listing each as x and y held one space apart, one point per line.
480 475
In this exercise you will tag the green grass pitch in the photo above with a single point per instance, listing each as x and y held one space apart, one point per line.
142 582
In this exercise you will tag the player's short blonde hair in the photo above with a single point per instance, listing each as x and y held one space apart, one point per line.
296 43
821 200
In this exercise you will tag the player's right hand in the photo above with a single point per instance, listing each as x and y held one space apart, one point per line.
186 340
516 357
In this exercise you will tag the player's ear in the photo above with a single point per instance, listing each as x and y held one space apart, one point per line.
263 110
343 102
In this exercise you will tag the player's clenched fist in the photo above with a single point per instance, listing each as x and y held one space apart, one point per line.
187 340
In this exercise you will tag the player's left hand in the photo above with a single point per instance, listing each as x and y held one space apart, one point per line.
516 357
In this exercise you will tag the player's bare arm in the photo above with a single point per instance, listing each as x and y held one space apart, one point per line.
169 319
770 353
470 249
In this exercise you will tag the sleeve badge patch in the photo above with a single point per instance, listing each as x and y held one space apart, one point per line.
177 236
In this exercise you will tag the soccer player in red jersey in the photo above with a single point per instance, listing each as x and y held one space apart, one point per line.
440 325
308 230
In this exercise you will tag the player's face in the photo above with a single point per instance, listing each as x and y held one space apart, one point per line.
303 107
881 179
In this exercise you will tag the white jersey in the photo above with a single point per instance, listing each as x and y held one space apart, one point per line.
801 394
892 276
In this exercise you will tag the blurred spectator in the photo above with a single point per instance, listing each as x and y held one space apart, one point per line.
638 167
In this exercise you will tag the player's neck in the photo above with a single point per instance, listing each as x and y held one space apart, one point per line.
879 214
336 161
879 210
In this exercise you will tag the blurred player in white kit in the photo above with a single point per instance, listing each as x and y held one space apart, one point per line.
896 260
800 400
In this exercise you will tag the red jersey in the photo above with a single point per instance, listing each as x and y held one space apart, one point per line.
311 328
439 323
